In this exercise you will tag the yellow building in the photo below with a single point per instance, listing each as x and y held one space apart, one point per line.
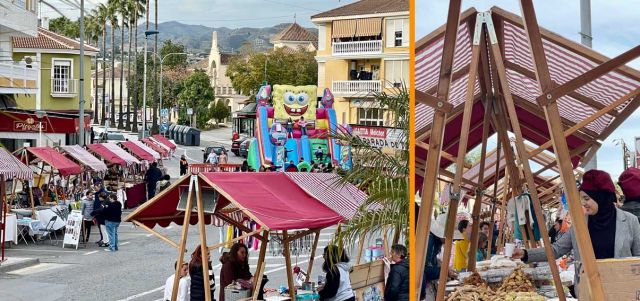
363 48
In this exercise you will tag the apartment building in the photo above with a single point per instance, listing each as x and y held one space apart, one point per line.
363 49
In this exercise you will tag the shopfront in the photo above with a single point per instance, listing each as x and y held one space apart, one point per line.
20 128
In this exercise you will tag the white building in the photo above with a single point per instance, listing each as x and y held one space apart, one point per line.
221 83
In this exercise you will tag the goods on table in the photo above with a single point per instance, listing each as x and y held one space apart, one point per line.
517 281
475 279
474 293
524 296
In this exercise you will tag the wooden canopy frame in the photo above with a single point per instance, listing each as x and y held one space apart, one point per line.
500 112
195 195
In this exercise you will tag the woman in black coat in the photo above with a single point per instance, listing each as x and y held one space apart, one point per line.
397 287
197 279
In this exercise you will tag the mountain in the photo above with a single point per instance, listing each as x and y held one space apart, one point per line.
197 38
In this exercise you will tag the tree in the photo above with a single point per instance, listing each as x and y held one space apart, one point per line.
122 11
137 9
102 16
384 176
247 72
174 61
220 111
197 94
92 31
65 27
112 16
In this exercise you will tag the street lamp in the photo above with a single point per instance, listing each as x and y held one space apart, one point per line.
40 115
144 84
161 61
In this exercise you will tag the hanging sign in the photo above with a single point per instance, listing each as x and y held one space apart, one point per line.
380 137
73 229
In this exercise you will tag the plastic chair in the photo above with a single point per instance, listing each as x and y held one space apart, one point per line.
48 229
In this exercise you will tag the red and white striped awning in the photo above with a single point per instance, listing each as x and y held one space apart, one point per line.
12 168
84 157
124 155
345 199
147 149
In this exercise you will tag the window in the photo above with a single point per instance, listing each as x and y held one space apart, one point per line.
371 117
397 33
322 31
396 72
61 76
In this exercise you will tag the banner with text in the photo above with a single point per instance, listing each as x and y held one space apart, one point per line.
380 137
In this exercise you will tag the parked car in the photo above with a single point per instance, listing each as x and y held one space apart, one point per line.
219 149
235 145
111 137
244 148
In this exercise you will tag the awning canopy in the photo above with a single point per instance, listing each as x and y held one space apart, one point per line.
343 28
55 159
369 27
137 151
21 121
84 157
12 168
113 154
156 146
165 141
147 149
273 200
566 60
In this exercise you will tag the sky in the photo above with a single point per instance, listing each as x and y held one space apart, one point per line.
224 13
615 29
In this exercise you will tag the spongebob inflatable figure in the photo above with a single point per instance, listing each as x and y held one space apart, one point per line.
294 102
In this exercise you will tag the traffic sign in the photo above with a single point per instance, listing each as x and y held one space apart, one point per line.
164 112
164 127
189 111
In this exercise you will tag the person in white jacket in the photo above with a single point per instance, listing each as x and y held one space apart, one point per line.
183 286
338 285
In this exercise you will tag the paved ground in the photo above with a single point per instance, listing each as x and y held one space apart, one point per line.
138 271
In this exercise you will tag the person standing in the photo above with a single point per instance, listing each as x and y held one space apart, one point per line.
289 127
183 286
112 219
212 158
163 184
152 177
223 158
184 165
319 154
554 232
304 165
337 286
460 258
197 279
303 126
397 287
629 182
86 207
235 265
98 216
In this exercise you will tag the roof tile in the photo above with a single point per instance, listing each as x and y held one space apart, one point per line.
47 39
366 7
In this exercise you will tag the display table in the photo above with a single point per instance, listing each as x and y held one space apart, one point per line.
11 229
136 194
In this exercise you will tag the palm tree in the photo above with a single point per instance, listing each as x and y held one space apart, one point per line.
154 122
112 7
101 14
122 10
138 9
385 177
92 31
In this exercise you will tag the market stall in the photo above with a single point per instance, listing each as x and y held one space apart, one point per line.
275 212
486 74
140 151
132 171
163 150
165 141
90 164
11 170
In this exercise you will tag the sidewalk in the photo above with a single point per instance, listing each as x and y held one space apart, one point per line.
16 263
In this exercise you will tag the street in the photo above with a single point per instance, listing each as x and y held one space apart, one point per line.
139 269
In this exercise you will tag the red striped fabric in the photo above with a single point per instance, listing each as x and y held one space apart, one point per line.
84 157
341 198
147 149
165 141
55 159
12 168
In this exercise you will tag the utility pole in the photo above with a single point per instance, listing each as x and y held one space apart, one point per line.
81 136
586 39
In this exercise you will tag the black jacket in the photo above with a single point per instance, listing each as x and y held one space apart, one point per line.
197 283
397 288
152 176
113 212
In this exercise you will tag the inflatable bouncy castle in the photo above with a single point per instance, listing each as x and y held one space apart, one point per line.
295 128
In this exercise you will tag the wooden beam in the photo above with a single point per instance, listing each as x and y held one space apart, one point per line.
435 141
553 93
241 237
313 255
445 155
445 173
261 264
433 102
462 150
240 226
585 122
287 259
203 243
572 153
156 234
554 123
183 239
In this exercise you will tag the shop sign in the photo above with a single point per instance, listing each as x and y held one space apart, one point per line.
29 125
379 136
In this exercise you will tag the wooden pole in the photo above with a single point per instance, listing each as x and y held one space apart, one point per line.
435 144
490 245
503 213
260 271
287 259
462 151
183 239
4 209
312 256
156 234
203 244
523 158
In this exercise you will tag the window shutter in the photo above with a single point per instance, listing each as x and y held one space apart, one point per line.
405 32
388 73
322 39
390 33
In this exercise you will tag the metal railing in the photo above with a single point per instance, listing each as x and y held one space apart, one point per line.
357 47
64 86
15 75
356 87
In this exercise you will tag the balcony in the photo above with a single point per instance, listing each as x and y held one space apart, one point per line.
19 16
357 48
64 87
17 78
354 88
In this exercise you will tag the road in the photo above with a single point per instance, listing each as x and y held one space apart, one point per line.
139 270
